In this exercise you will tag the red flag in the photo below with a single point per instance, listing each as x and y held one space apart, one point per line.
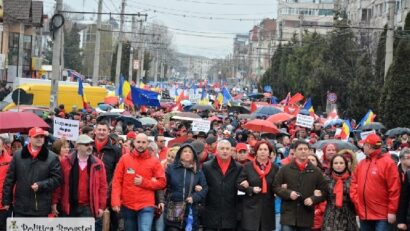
285 101
296 98
292 109
333 115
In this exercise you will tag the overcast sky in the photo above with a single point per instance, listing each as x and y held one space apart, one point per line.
187 17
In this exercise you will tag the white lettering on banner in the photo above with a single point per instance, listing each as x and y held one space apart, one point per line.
50 224
68 129
304 121
201 125
363 135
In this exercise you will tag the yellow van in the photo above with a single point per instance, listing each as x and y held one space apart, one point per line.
39 95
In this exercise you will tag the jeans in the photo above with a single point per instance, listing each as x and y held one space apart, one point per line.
378 225
160 223
294 228
140 220
277 220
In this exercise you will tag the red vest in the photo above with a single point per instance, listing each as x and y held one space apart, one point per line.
83 192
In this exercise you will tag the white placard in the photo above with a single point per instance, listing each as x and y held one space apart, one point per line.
57 223
304 121
201 125
68 129
363 135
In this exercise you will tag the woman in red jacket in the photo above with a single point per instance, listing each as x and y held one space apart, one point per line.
5 159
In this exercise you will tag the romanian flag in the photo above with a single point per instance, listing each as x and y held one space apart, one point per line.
204 99
368 118
179 100
346 129
308 106
219 100
124 92
81 93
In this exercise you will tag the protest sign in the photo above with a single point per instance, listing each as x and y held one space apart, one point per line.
68 129
304 121
201 125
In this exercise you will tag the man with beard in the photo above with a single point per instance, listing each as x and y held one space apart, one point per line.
137 176
84 189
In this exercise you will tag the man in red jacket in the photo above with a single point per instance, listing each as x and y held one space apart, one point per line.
375 187
84 189
136 178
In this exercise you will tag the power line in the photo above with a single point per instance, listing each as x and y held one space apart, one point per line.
198 12
104 13
224 3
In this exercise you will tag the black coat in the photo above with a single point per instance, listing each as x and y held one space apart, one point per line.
258 209
110 155
294 212
23 172
220 204
403 214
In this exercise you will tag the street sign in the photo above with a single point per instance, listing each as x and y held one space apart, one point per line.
331 97
136 64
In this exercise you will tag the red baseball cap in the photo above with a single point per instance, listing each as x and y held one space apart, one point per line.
36 131
241 146
131 135
372 139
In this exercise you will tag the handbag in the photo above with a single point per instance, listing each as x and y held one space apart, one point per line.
176 210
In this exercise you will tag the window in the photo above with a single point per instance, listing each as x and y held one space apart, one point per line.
366 15
13 48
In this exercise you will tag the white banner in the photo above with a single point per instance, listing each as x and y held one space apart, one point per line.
68 129
48 224
304 121
201 125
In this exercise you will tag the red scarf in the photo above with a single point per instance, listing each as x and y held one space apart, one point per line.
301 165
33 153
338 189
224 165
99 145
262 174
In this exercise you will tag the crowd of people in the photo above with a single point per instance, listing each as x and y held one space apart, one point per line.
229 178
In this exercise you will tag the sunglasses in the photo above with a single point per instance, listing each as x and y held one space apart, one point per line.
87 145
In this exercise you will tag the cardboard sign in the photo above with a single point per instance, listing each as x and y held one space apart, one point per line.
304 121
201 125
68 129
363 135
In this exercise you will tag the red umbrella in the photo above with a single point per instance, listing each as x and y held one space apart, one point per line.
20 121
111 100
213 118
262 126
177 141
280 117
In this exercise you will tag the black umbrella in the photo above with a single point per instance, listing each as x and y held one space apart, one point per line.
203 107
108 116
373 126
397 132
129 119
239 109
340 144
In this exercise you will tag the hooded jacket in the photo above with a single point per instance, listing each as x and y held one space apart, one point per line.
24 171
375 187
137 197
179 180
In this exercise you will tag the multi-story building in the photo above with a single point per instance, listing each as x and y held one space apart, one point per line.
19 38
262 44
296 16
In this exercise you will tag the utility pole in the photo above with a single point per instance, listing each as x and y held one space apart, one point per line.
141 54
96 68
119 51
56 72
389 38
300 29
156 67
131 66
280 32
